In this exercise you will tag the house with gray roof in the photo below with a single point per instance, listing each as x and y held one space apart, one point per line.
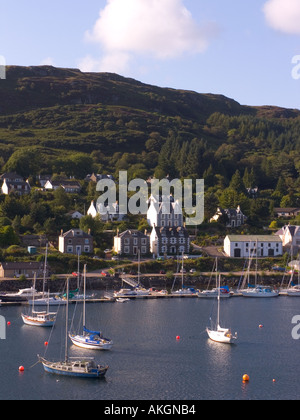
245 246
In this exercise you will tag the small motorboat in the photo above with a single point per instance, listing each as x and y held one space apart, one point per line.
22 295
122 300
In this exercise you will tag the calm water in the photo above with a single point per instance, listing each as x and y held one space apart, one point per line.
148 363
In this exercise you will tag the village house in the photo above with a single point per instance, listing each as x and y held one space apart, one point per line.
245 246
164 211
14 183
105 215
169 241
69 185
130 242
287 212
290 236
16 269
75 241
231 217
97 177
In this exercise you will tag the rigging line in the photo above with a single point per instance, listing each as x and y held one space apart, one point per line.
34 364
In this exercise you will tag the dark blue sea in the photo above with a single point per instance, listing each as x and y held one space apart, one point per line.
147 362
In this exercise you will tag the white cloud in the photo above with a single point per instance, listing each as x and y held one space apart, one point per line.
160 29
283 15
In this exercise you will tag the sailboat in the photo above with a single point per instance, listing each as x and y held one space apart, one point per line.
93 340
39 319
294 289
184 290
47 300
224 290
256 290
219 334
82 367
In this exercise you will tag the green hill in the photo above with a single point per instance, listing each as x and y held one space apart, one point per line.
63 120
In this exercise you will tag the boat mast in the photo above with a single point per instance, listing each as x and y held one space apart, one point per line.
182 270
67 312
139 271
84 293
45 269
219 289
34 282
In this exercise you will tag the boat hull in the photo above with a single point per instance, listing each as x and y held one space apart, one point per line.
213 295
259 295
221 336
85 343
66 369
32 321
45 302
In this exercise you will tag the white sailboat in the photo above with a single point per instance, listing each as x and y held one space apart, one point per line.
93 340
82 367
184 290
224 291
256 291
41 318
294 289
219 334
47 300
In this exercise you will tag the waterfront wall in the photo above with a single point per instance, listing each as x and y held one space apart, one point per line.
115 283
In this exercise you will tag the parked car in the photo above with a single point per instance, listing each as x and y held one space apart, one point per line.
192 270
277 268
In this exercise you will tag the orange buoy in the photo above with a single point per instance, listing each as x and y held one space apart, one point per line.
246 378
46 343
260 325
274 380
21 368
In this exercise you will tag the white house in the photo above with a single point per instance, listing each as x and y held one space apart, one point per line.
244 246
290 236
104 214
164 212
13 182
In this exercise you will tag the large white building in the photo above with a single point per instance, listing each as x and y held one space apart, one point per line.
164 212
290 236
244 246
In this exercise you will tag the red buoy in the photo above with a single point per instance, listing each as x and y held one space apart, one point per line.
46 343
8 323
21 368
178 337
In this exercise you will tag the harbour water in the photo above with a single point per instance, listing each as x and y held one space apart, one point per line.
149 362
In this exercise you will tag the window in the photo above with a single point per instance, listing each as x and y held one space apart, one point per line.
135 241
86 241
126 241
69 249
143 250
144 241
86 248
69 241
126 249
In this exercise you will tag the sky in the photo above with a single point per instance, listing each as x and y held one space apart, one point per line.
248 50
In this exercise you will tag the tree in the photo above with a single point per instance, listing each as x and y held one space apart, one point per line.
236 182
